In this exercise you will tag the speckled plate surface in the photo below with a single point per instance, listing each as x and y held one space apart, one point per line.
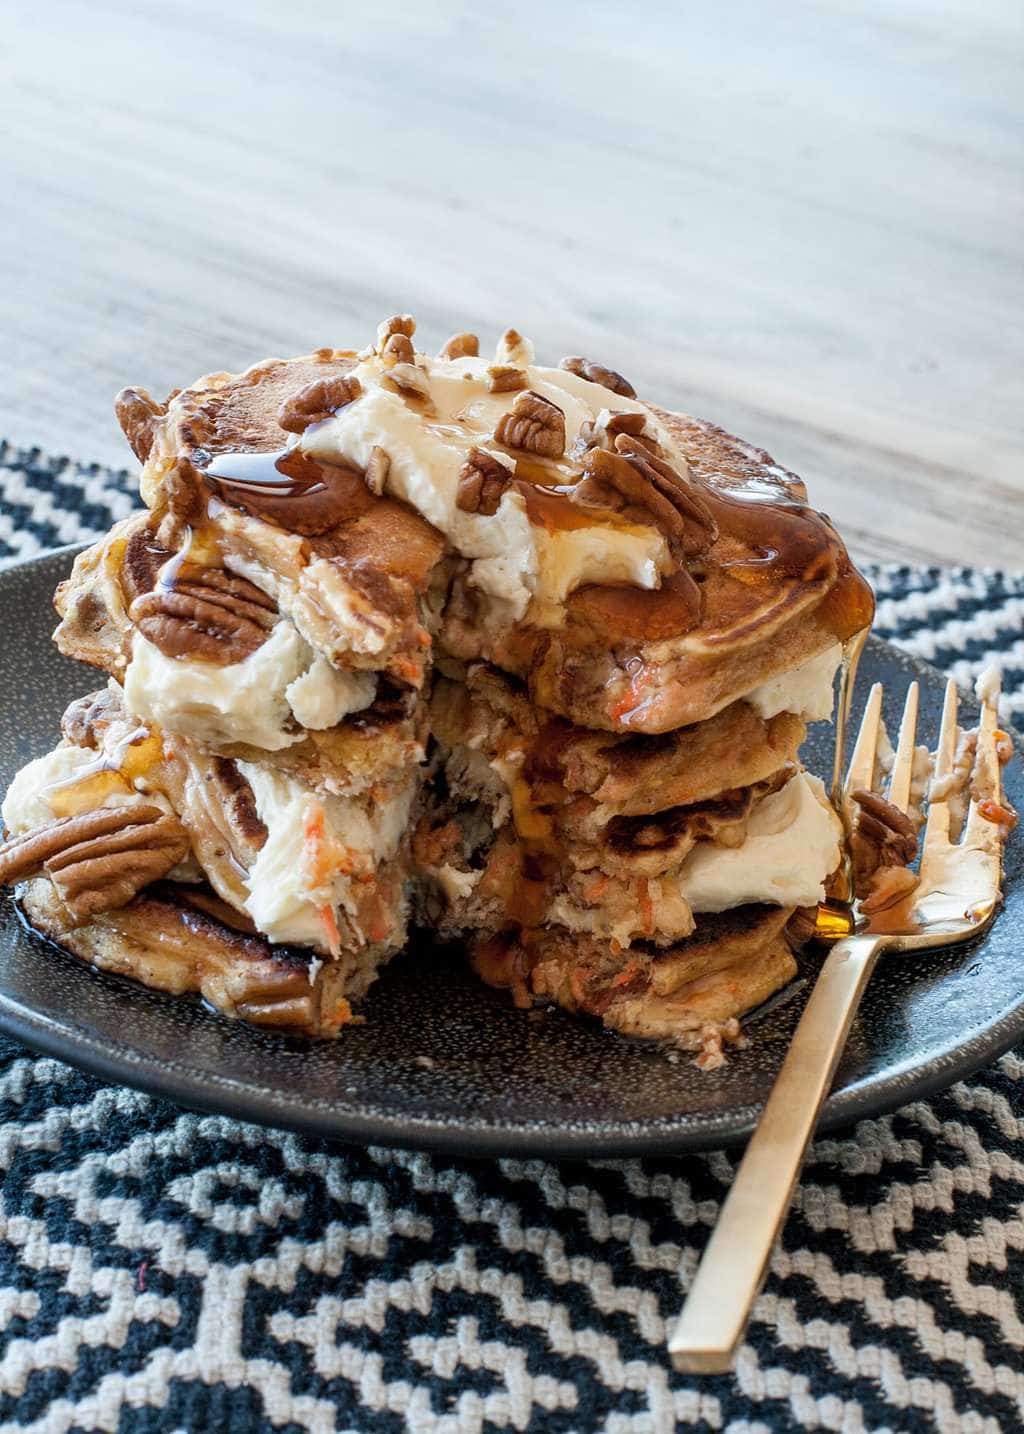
445 1063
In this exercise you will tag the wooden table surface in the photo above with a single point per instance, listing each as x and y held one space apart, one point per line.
801 220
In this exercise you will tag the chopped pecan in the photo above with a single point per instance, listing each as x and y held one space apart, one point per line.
461 346
208 614
514 349
86 719
504 378
887 887
317 401
98 860
602 432
377 470
597 373
398 349
882 836
397 324
139 416
409 379
535 425
182 504
642 492
483 479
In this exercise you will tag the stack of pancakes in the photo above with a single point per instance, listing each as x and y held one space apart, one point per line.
472 642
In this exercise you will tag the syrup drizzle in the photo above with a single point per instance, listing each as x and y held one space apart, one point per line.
286 473
852 649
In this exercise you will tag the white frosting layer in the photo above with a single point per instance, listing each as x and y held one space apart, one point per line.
807 690
25 805
64 774
322 697
513 561
792 845
285 900
251 701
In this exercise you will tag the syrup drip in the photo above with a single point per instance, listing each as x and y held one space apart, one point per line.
833 921
852 649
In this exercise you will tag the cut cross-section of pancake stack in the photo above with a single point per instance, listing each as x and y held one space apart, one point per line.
469 642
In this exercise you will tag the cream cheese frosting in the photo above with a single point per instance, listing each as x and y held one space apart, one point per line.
519 564
807 690
257 701
285 901
791 846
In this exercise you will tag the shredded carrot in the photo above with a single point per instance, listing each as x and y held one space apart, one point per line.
330 925
342 1013
408 670
646 906
596 889
625 975
380 929
993 812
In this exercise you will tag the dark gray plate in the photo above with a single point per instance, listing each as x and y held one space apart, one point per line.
445 1063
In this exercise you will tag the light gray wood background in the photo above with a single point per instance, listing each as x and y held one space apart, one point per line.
801 220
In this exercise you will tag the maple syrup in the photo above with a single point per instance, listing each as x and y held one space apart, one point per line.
852 649
301 493
288 472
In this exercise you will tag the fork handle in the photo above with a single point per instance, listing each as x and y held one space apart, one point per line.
727 1283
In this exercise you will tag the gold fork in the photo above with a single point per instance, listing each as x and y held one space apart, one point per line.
955 900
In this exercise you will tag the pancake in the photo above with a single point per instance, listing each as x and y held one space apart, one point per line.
166 941
683 993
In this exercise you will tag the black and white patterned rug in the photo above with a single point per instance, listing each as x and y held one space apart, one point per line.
161 1271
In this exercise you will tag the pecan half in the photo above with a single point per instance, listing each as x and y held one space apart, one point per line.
139 416
597 373
99 860
535 425
208 614
397 324
514 349
483 479
461 346
376 474
504 378
398 349
882 836
636 488
317 401
409 380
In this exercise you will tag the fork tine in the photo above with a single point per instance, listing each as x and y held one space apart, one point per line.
903 765
986 778
936 832
949 733
861 770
